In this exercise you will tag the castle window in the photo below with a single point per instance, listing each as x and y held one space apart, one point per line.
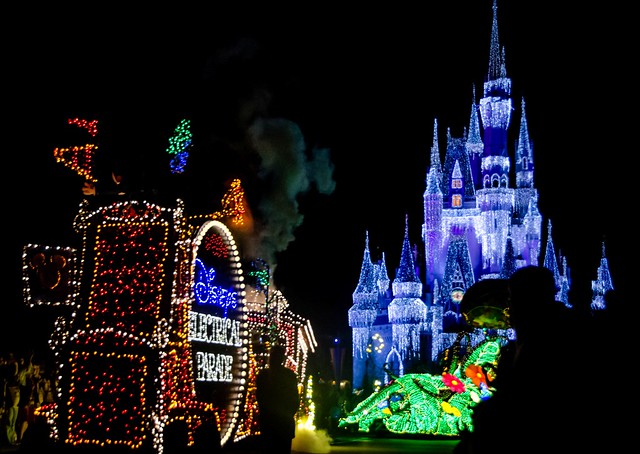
456 200
456 183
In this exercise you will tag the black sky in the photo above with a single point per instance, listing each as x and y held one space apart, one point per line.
364 84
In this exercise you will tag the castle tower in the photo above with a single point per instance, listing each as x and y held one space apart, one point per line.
495 199
524 167
480 222
474 144
602 284
407 312
363 314
432 227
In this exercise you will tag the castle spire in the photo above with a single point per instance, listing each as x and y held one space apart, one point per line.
550 258
432 227
407 312
474 142
365 299
435 163
602 284
524 154
563 294
383 276
407 271
362 296
497 67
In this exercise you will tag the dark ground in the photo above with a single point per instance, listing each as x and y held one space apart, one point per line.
339 444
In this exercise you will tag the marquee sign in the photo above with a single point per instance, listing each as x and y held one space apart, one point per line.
218 330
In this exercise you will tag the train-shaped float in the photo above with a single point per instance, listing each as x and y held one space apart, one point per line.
158 320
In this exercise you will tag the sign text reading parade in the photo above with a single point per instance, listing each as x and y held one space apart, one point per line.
212 329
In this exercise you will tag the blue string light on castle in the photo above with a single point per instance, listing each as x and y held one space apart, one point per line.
478 224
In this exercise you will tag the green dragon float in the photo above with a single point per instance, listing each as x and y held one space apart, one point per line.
429 404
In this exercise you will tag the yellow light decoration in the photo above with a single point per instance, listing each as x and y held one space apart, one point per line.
234 206
80 158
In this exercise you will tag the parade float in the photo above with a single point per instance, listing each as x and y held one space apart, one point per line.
442 404
159 317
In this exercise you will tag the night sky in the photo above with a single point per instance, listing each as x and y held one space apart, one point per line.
362 87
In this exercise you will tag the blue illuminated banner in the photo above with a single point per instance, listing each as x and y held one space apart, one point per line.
207 293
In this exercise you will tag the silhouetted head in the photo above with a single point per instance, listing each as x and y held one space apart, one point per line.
206 437
277 354
532 292
176 436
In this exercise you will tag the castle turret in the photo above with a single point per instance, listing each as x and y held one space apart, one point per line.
495 199
365 304
432 227
524 168
434 161
474 145
550 258
495 107
407 312
602 284
383 276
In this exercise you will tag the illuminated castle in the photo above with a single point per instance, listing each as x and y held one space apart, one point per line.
479 223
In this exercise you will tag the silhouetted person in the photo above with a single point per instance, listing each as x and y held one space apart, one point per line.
206 438
27 388
542 399
176 437
278 401
616 327
614 319
38 439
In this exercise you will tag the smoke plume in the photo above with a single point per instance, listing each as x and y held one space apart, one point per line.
285 174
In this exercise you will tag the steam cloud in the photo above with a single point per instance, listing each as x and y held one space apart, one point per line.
286 173
270 152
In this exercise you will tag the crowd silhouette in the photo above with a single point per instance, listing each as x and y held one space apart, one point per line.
561 384
552 391
26 385
278 402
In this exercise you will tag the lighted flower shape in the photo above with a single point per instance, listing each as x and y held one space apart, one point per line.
453 382
476 374
450 409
